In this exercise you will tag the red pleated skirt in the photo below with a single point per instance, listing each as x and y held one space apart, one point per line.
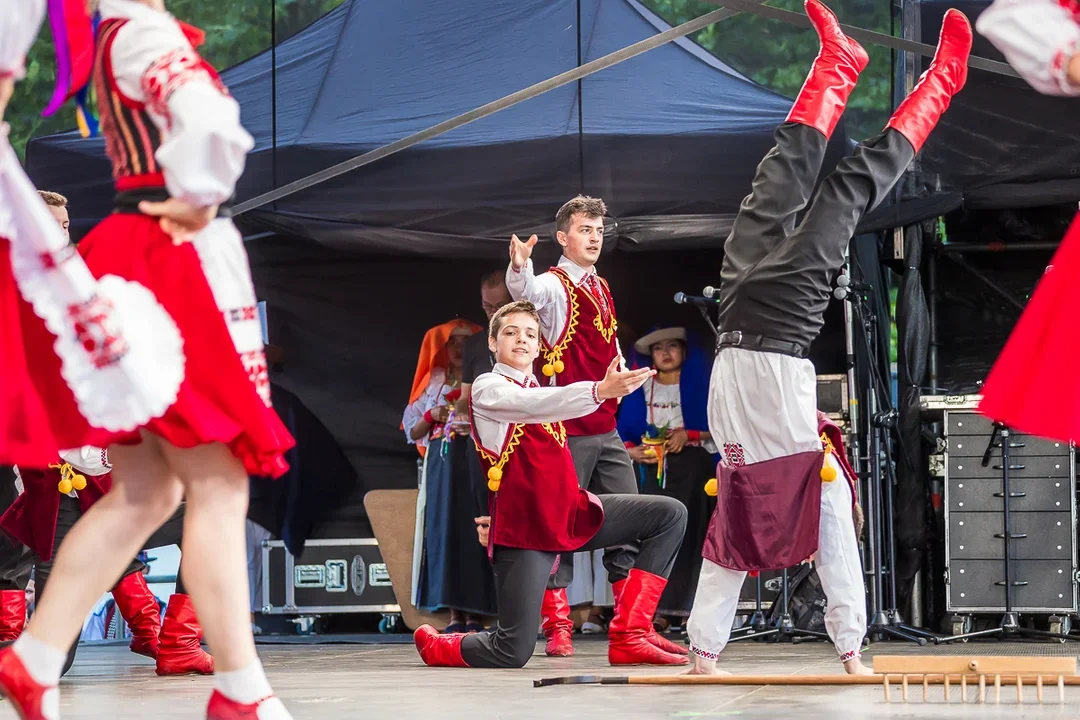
25 430
218 400
1034 386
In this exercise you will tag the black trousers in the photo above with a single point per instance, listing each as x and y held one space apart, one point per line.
776 276
652 526
603 468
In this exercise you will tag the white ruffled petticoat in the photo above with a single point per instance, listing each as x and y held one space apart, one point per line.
121 353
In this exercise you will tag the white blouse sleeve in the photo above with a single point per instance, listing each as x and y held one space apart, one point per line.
1038 38
414 413
495 399
19 24
203 143
88 459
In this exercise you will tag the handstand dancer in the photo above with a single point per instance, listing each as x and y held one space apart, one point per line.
774 510
538 510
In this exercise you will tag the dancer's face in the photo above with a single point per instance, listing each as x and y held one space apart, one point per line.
62 218
518 341
583 240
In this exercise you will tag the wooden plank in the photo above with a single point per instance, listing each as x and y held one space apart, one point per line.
990 664
393 519
798 680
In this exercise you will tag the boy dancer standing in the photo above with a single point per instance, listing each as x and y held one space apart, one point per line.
538 510
778 500
578 324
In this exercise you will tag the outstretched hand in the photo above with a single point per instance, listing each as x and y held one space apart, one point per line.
520 252
618 383
179 218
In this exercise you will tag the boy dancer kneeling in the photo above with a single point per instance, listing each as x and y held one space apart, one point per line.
538 510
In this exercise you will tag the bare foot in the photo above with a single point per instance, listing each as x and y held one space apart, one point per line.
702 666
854 666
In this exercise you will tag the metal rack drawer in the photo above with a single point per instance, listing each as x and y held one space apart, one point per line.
1019 467
1049 536
1040 495
1050 588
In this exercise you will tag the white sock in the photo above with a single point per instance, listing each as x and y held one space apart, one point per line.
43 662
245 686
272 709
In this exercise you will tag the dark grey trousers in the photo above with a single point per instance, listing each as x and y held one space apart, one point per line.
652 527
603 468
776 276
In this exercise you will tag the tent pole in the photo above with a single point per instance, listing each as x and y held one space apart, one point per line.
998 247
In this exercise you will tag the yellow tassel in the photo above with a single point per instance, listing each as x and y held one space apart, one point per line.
548 370
828 472
712 488
559 366
494 479
64 486
78 482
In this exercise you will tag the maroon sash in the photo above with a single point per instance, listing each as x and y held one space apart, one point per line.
767 514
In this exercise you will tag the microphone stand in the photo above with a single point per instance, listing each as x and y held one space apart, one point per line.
709 322
885 620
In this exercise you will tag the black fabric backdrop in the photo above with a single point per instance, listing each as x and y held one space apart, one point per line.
351 328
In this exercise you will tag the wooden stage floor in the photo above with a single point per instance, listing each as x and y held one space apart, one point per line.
386 681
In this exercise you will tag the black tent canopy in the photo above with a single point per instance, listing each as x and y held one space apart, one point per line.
669 138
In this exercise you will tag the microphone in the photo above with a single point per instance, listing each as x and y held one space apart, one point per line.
682 298
845 281
711 292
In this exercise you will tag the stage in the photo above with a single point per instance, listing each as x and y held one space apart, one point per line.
387 680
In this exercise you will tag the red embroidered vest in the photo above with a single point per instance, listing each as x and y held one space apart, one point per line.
538 505
131 138
31 519
584 351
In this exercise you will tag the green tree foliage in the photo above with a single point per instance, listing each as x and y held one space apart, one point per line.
778 55
773 54
235 31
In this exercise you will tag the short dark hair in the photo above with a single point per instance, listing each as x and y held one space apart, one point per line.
520 306
584 205
493 277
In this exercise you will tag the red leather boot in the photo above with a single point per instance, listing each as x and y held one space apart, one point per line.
140 609
12 614
223 708
179 649
921 109
557 625
836 69
438 650
654 637
31 700
628 634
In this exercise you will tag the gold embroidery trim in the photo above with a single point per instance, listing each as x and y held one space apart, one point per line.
827 445
511 445
557 431
554 353
605 332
